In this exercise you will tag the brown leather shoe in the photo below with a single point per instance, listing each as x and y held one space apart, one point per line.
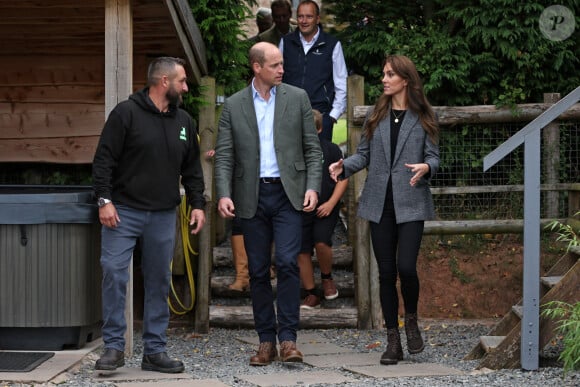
266 354
289 352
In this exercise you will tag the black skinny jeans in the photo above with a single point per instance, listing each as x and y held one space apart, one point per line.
387 237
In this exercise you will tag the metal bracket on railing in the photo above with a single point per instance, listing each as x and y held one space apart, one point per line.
23 237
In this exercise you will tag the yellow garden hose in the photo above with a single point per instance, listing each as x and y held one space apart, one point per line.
184 211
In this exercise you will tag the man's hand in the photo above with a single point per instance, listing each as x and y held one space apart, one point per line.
197 220
310 200
226 208
108 215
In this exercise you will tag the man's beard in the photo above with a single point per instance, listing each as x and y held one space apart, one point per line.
173 96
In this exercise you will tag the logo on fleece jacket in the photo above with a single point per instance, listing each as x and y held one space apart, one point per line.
182 134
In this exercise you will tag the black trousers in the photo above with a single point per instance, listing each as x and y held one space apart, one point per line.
396 247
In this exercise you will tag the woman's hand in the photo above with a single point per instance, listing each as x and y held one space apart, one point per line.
418 170
335 170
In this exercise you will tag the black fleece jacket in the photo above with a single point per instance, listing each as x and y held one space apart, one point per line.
143 152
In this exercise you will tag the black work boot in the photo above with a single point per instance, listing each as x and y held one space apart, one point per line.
160 362
110 360
394 351
414 340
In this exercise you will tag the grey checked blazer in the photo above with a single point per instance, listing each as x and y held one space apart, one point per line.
413 146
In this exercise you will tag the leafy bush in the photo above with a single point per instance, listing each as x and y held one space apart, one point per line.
468 53
220 23
569 327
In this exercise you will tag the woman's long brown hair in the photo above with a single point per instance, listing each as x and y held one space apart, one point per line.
416 100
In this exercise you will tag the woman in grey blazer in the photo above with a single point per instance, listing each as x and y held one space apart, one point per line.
399 147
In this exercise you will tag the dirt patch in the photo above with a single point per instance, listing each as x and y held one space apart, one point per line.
475 276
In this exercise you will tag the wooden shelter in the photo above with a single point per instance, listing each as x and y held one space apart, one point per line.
66 63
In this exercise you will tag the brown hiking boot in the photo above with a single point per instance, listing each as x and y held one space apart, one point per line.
394 351
266 354
415 342
289 352
240 258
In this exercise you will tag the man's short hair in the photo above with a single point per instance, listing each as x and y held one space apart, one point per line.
282 4
164 65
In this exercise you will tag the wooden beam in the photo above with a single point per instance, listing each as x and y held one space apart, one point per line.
118 86
452 115
69 150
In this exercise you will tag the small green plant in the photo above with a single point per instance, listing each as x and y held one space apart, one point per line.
567 314
457 272
569 326
566 232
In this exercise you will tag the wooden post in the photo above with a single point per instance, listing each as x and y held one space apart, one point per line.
207 134
359 234
118 87
574 200
551 159
220 229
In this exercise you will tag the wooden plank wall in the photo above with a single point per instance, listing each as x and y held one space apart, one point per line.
52 108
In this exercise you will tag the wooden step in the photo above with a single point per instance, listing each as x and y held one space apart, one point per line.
321 318
551 281
219 286
489 343
518 310
341 256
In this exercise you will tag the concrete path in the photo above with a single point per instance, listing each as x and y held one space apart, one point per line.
323 358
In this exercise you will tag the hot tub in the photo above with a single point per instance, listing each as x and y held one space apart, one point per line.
50 275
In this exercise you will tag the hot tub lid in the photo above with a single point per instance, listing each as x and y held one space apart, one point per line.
40 204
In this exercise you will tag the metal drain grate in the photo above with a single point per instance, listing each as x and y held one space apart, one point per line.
22 361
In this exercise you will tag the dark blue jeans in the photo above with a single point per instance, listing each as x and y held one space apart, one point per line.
275 221
157 233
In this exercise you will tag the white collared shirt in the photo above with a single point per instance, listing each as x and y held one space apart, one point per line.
339 73
265 119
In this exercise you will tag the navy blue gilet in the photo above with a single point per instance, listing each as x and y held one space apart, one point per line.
313 71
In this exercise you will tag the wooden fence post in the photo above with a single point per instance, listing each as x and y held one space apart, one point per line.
118 86
551 159
207 134
359 234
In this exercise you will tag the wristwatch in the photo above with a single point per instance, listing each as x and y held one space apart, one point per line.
102 202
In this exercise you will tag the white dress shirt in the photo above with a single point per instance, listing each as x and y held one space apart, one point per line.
265 117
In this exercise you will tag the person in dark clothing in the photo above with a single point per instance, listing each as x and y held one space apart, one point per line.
318 227
263 21
399 148
281 14
314 61
147 145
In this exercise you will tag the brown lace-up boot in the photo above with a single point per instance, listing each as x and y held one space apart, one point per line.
415 342
266 354
394 351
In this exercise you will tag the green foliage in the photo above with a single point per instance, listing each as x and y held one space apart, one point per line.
566 233
220 24
468 53
569 326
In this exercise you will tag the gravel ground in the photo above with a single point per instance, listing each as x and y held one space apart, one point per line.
219 355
